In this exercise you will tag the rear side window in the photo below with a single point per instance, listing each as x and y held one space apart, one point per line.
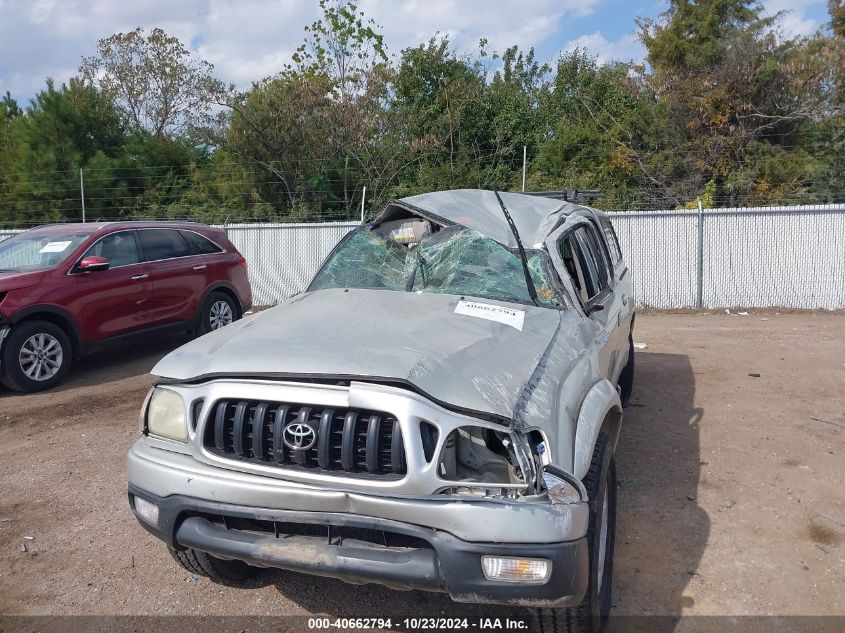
163 244
119 248
200 245
612 242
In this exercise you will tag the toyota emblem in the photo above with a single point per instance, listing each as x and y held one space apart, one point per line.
299 437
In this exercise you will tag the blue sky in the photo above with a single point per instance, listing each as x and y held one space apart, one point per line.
247 40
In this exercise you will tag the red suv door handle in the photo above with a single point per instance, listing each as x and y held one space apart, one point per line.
200 267
139 277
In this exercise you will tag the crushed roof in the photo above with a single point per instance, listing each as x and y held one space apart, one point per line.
534 216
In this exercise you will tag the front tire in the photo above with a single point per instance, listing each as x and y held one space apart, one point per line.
36 356
231 573
218 310
591 615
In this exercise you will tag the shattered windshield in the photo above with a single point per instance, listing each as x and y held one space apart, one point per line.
454 260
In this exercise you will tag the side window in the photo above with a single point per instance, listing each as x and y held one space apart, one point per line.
612 241
597 247
119 248
163 244
199 244
585 261
573 266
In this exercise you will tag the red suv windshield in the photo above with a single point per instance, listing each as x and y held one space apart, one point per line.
39 250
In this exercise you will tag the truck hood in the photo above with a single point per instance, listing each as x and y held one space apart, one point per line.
477 359
14 280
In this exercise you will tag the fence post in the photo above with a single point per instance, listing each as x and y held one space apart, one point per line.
699 269
524 164
82 193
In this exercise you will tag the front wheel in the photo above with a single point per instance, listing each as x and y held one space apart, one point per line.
36 356
218 310
232 573
591 615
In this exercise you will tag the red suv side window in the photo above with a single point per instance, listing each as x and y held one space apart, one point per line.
200 245
163 244
119 248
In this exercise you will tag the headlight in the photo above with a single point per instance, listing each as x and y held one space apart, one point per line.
562 488
166 415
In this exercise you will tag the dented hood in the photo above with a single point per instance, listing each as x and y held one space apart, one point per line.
478 359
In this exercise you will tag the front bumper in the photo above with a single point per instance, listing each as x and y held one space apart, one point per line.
430 560
203 507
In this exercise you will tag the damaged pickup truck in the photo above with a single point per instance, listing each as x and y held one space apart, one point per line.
439 410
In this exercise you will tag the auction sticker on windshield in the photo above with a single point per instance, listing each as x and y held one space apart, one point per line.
508 316
54 247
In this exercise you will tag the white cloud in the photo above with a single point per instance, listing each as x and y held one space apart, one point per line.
41 11
625 49
247 40
794 21
527 23
48 38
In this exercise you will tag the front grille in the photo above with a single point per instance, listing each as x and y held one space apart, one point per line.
330 534
348 441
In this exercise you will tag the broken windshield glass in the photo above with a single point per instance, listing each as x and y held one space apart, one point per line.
454 260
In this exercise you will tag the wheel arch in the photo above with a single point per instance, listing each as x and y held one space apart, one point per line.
57 317
225 288
601 411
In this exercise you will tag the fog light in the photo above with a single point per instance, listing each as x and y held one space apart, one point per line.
510 569
146 510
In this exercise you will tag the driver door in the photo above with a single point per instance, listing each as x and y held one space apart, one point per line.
579 254
114 301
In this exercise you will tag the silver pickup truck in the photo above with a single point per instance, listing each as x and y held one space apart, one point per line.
438 411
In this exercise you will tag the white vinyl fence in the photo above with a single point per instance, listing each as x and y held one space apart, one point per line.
790 257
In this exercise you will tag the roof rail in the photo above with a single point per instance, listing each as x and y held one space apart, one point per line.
581 196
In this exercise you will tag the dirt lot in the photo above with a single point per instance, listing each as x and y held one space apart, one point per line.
731 498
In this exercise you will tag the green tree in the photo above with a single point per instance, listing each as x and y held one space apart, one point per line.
596 115
735 92
696 33
154 81
318 130
64 129
836 8
342 45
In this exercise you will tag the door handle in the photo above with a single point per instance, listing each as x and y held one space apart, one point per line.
200 267
624 299
139 277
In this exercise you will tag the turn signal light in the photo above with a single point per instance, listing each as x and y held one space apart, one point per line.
510 569
146 510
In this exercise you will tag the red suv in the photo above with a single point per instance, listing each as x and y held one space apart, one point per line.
65 289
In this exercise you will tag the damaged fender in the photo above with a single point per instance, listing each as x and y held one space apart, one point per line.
601 410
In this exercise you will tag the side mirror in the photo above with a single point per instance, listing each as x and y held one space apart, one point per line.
92 263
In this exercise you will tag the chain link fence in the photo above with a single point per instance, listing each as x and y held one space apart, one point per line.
282 258
789 257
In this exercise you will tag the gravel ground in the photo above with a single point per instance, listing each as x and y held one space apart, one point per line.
730 499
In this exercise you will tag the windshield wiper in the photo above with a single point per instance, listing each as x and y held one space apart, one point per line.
419 267
532 291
